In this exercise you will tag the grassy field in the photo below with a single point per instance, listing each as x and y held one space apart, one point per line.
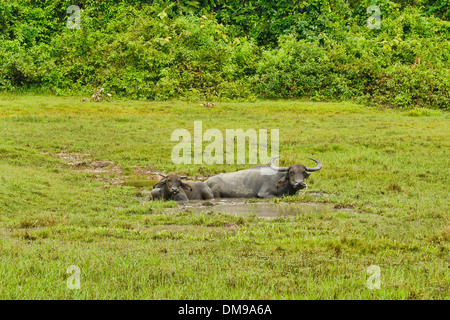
389 167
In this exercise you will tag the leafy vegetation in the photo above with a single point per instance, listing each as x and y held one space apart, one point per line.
385 171
240 50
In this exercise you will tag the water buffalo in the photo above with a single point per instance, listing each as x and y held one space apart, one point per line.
171 187
255 183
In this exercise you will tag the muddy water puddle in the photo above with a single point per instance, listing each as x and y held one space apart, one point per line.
260 208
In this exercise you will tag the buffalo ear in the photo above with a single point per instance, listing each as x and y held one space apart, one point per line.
185 186
281 182
160 184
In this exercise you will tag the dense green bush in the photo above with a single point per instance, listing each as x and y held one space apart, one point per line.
190 57
319 49
405 63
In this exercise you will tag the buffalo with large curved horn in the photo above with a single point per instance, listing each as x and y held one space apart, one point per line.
251 183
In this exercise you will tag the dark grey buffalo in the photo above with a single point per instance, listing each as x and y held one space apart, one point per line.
261 181
171 187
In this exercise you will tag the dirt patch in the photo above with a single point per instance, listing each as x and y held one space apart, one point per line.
102 164
107 171
83 161
74 159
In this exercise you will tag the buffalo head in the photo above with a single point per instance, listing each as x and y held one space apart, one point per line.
296 174
171 184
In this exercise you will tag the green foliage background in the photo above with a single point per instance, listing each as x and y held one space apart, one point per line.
210 49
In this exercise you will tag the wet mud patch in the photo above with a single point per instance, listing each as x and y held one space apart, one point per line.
260 208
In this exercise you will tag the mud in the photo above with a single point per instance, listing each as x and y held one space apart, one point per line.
260 208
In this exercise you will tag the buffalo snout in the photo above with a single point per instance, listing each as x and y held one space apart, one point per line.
300 184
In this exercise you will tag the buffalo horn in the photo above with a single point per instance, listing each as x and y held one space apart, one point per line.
317 168
274 167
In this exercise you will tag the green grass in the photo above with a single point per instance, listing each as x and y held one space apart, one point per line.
390 167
